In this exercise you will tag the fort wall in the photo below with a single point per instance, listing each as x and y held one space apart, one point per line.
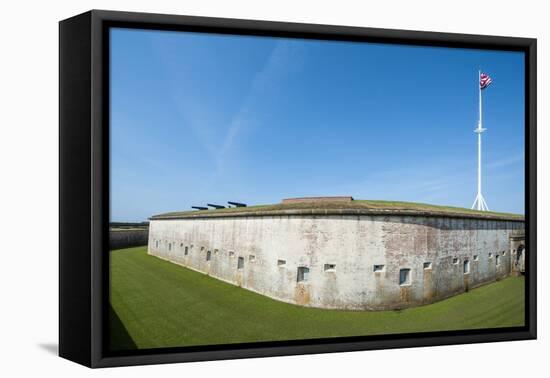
128 238
360 262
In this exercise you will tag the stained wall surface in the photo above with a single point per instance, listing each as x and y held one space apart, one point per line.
128 238
341 261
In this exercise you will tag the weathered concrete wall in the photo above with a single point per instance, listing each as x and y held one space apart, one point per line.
517 245
128 238
354 244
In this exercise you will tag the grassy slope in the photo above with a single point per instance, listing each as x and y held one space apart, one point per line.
356 204
162 304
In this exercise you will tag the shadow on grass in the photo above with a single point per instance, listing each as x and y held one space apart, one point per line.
119 338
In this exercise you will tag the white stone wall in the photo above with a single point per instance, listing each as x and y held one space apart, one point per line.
354 244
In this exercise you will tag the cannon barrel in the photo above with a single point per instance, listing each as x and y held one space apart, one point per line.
237 204
215 206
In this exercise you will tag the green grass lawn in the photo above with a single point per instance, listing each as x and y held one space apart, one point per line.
155 303
355 204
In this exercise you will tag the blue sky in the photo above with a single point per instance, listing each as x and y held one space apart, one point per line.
199 118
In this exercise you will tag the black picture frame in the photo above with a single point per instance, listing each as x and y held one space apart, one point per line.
84 186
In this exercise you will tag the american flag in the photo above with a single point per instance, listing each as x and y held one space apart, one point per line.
484 81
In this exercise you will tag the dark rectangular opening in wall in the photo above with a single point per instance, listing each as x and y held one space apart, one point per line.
186 251
251 258
330 267
427 265
378 268
303 274
466 268
240 263
476 257
281 262
404 276
208 255
455 261
497 260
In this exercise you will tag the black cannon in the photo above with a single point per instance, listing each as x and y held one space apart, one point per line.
237 204
215 206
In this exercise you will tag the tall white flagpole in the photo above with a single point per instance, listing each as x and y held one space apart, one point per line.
479 203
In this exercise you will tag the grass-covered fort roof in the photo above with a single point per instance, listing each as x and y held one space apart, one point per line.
338 206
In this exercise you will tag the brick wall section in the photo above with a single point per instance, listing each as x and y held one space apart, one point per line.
128 238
